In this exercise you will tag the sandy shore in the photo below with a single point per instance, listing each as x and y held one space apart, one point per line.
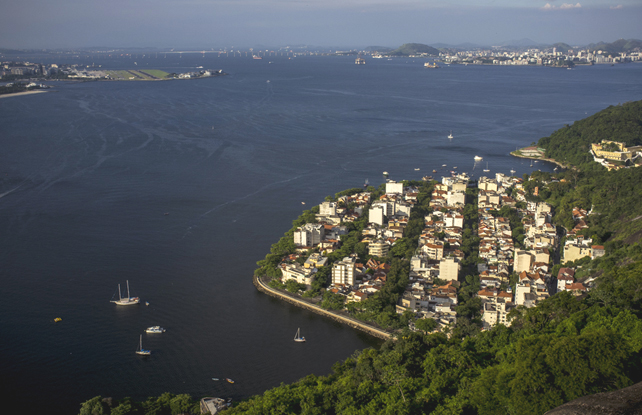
15 94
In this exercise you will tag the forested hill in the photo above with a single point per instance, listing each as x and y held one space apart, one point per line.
414 49
615 197
571 144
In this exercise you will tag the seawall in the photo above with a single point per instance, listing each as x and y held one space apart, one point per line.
354 323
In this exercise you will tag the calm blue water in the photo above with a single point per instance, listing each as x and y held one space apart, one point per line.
88 171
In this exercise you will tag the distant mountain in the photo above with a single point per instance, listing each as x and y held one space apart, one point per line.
415 49
562 47
619 46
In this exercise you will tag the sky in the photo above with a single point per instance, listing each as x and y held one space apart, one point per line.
330 23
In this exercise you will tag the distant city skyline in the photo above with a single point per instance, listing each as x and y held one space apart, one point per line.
353 23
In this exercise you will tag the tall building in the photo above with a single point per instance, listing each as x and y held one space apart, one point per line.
449 269
343 271
310 234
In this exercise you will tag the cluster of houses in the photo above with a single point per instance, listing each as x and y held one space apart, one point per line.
496 249
535 56
434 269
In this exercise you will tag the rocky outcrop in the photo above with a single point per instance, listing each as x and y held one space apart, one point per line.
627 401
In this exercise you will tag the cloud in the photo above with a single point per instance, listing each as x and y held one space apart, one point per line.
564 6
618 7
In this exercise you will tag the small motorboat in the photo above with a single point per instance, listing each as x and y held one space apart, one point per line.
155 329
229 380
214 378
57 319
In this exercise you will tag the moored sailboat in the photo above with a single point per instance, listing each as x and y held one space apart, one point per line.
298 337
127 300
141 351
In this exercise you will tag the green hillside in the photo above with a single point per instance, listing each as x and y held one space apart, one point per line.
619 46
414 49
572 143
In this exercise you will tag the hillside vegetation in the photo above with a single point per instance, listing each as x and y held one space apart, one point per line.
615 197
619 46
414 49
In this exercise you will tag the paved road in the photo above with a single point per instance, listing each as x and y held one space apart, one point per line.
343 319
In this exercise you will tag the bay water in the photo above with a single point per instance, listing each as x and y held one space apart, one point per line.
179 187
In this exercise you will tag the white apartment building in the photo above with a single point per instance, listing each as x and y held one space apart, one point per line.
343 271
310 234
449 269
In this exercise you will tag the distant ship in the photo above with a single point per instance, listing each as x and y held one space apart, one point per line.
360 60
155 329
478 158
450 136
256 57
431 65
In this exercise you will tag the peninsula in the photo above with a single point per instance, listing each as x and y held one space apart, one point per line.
508 295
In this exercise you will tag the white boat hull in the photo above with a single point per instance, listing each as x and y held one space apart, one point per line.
126 301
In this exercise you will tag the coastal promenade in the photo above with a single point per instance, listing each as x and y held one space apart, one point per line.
521 156
352 322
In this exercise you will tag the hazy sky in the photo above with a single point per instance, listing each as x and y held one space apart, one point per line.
245 23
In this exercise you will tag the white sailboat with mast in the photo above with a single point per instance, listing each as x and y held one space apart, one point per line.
298 337
127 300
140 350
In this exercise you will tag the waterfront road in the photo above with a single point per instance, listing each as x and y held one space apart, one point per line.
352 322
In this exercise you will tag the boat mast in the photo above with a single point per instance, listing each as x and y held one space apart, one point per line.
120 297
128 297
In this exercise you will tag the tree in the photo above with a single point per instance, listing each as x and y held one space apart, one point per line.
427 325
94 406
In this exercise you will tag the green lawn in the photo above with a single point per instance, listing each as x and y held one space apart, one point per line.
146 75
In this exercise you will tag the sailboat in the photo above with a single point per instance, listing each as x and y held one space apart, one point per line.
366 184
298 337
486 169
450 136
141 351
127 300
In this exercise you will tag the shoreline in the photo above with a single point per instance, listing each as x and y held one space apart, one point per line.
15 94
512 153
352 322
